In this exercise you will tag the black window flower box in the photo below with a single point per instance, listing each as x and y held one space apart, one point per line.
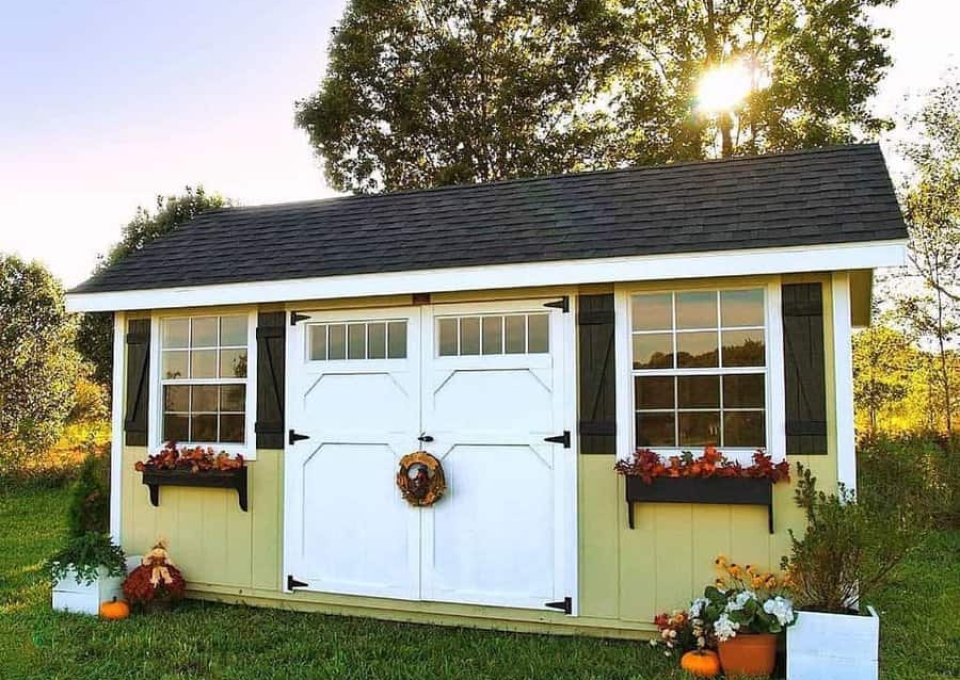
712 490
211 479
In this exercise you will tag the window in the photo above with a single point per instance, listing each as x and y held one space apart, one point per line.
492 334
203 379
699 368
357 340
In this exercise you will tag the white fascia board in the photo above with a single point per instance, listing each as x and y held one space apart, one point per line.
835 257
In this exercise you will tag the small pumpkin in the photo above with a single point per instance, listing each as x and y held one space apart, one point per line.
114 610
701 663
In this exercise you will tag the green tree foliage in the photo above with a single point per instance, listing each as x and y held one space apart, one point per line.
883 360
38 365
435 92
89 508
95 335
929 304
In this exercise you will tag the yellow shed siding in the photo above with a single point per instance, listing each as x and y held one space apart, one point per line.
625 576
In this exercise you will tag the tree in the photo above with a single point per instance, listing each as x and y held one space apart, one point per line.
95 335
435 92
929 304
883 361
38 365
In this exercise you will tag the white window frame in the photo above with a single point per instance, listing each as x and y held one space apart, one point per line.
248 448
773 337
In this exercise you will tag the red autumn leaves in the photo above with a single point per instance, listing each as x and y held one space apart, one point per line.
649 465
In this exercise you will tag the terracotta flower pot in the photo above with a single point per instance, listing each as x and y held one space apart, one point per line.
749 654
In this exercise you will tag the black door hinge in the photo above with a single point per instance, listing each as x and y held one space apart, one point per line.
296 317
562 304
560 439
294 437
565 605
294 583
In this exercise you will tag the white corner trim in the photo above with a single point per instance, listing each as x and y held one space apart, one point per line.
843 382
116 436
757 261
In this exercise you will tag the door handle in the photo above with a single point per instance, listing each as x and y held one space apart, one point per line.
425 438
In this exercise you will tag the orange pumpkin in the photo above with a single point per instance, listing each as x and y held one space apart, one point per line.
701 663
115 609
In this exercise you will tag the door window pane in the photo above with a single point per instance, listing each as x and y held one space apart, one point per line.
493 335
697 310
317 340
377 341
397 340
538 335
516 332
652 312
337 341
470 335
357 341
449 334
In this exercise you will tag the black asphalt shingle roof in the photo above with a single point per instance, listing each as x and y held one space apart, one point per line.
827 196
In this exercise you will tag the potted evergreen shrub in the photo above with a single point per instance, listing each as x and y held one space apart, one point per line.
87 572
849 552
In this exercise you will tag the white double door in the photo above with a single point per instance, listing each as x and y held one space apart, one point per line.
483 384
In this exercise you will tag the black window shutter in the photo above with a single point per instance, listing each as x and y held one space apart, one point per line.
597 420
271 368
138 383
804 369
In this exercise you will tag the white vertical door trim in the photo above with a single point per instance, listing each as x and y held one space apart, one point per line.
843 381
292 523
570 380
116 437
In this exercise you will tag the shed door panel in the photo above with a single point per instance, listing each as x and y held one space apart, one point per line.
497 538
349 531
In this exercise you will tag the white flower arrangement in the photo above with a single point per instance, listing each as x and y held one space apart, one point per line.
725 628
782 608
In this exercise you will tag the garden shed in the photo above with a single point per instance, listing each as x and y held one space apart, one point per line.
525 335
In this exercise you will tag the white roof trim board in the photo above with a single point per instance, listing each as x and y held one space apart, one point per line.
760 261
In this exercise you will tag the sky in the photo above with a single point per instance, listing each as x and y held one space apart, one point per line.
106 103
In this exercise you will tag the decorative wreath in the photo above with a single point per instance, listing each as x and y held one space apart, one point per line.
420 479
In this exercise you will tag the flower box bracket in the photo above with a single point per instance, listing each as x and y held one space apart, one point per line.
713 490
211 479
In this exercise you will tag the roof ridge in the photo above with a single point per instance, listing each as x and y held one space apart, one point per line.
554 176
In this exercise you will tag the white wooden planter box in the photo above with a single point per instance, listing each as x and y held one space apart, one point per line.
69 595
836 646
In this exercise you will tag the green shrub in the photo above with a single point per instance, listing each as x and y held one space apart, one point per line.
90 497
86 553
919 474
850 550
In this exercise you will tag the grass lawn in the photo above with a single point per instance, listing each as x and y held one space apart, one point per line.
921 630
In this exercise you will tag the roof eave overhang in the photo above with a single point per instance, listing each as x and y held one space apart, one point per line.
750 262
